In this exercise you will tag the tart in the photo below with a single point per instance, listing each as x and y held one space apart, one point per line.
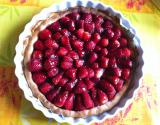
79 62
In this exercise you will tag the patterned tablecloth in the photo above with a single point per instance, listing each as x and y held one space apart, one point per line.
145 17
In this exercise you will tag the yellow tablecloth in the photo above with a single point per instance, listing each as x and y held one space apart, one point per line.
145 17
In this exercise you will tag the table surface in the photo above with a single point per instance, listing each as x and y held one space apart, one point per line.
145 17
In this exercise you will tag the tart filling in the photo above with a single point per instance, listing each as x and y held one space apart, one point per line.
79 62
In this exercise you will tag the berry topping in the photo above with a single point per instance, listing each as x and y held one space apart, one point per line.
108 24
89 27
86 36
82 60
74 16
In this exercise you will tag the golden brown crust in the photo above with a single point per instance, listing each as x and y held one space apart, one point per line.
28 49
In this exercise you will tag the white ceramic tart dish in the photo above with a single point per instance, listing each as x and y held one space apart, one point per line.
92 110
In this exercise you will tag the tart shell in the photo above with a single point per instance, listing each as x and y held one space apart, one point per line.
26 51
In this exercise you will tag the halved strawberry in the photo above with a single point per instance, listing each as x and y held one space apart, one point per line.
69 102
80 87
119 85
89 84
94 96
78 106
70 85
101 96
108 89
88 102
50 96
60 99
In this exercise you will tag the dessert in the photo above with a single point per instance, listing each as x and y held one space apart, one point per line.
79 62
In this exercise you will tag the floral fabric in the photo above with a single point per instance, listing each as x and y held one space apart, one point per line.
145 17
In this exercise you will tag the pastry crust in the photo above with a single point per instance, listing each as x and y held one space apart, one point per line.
28 49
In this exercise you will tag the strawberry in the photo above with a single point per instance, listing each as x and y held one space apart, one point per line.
53 93
39 45
62 51
119 85
125 73
89 84
79 63
66 65
113 79
54 27
61 98
71 73
57 78
45 87
80 33
102 97
35 65
69 102
51 44
63 81
37 54
88 102
80 87
50 63
82 72
39 77
78 104
77 44
94 96
108 89
70 85
53 72
45 34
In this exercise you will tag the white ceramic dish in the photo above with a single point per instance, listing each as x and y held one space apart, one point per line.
124 102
